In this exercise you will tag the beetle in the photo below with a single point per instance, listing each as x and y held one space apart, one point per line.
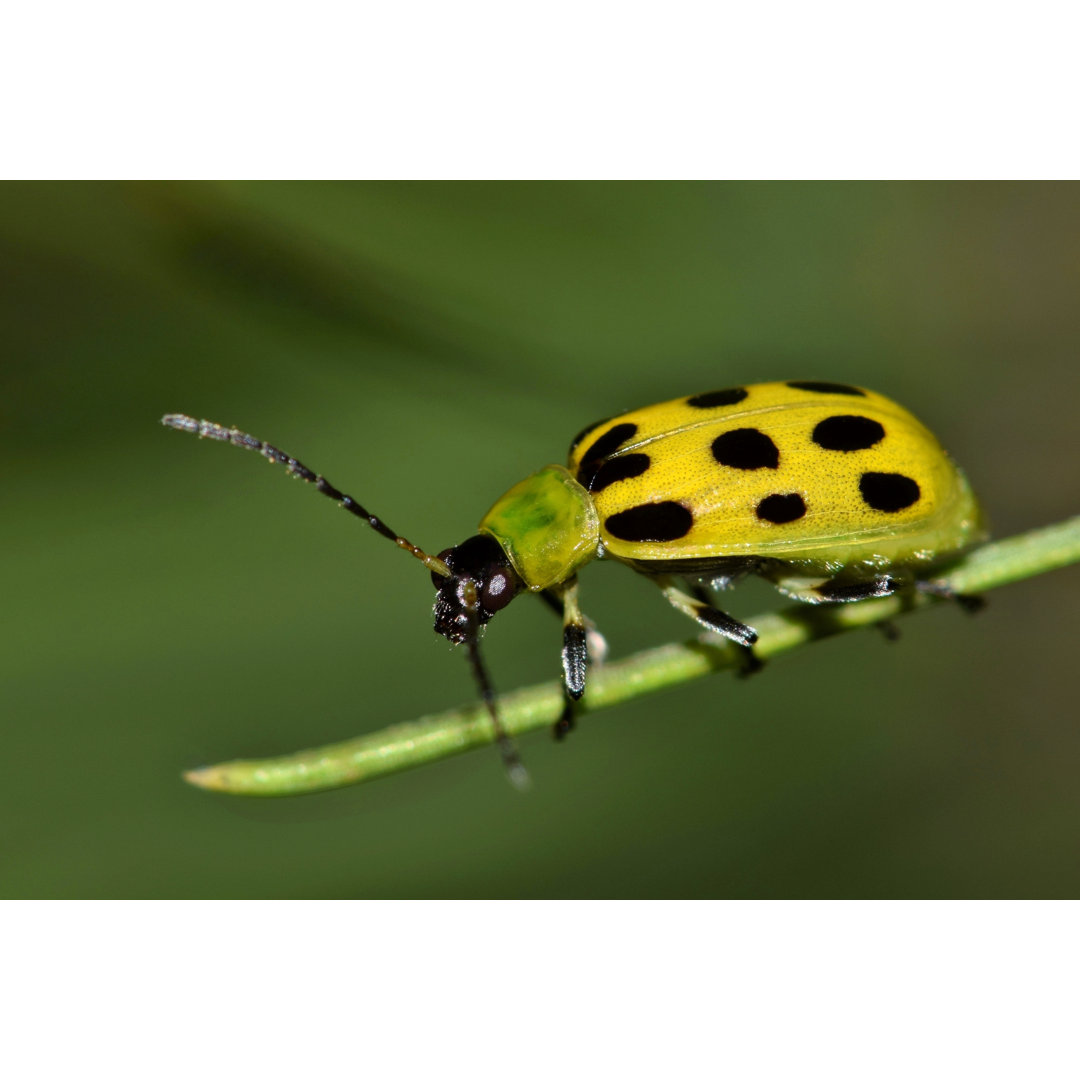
831 492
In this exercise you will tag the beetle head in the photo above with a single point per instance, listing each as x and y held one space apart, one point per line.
481 583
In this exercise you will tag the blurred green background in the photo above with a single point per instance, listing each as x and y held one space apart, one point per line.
171 603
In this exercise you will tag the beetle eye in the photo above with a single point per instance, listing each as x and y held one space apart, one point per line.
497 592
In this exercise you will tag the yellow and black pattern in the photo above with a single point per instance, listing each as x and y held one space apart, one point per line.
833 493
787 470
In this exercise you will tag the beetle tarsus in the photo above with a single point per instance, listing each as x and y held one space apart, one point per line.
566 722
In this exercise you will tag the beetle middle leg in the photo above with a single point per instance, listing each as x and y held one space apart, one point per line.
695 603
749 661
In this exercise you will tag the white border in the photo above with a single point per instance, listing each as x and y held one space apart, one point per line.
538 990
579 90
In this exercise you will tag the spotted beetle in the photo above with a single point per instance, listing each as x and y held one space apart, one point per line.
831 492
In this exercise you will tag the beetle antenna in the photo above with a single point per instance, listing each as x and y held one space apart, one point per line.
206 429
515 767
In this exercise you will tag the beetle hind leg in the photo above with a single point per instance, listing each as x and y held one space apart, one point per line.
968 602
864 590
887 586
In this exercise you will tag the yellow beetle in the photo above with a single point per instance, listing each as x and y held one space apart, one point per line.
831 492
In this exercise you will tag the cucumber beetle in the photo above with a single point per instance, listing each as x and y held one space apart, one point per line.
831 492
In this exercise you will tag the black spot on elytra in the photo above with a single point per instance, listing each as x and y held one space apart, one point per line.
587 430
828 388
848 433
746 448
781 509
888 491
604 447
715 398
651 522
624 467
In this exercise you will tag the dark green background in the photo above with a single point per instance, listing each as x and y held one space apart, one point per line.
170 603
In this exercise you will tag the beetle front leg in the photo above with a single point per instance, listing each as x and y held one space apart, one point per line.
594 640
575 652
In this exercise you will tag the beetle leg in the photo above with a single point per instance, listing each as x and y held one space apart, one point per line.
553 601
575 653
699 592
886 586
864 590
594 640
750 662
712 618
967 601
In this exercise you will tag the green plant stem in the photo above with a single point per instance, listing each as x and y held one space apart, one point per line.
404 746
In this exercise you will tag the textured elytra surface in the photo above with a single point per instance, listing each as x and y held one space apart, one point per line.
793 470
